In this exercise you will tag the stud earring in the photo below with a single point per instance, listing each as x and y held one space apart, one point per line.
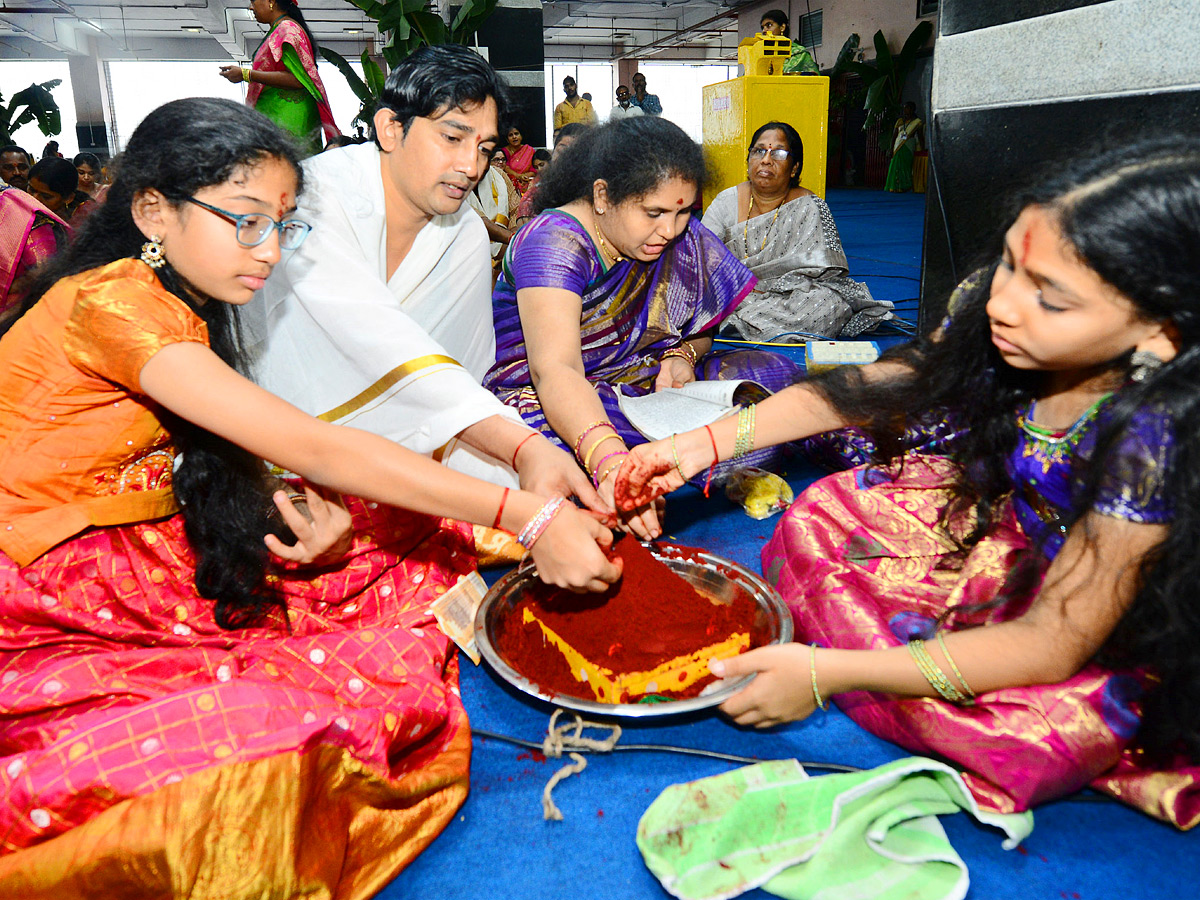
152 253
1145 363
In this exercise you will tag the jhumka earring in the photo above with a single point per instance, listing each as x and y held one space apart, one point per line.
152 253
1145 363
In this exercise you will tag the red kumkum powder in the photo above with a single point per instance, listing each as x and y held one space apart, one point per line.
650 616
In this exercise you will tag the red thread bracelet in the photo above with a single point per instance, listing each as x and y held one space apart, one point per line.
713 464
503 500
527 437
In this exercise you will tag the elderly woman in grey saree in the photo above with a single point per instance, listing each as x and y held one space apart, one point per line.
787 237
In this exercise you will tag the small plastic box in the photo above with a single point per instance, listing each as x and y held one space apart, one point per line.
820 356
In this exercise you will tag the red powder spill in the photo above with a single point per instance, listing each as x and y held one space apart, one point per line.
599 814
652 615
535 755
1021 849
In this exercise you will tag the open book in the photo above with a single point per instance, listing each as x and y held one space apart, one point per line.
699 403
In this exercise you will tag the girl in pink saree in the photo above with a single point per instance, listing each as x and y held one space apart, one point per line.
1024 605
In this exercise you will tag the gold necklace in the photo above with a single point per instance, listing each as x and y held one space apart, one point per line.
746 227
604 248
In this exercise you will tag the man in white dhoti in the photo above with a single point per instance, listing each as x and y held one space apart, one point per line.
382 320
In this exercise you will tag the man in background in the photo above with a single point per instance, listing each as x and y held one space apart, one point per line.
14 166
573 109
624 108
647 103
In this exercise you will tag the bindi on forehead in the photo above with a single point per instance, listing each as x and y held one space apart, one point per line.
1025 241
679 202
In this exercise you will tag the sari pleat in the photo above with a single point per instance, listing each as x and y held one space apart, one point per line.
146 752
862 563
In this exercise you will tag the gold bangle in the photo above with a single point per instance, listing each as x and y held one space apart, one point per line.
933 674
599 423
684 351
608 471
812 668
246 72
954 668
675 453
587 457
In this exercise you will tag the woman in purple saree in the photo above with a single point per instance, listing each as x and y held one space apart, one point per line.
616 288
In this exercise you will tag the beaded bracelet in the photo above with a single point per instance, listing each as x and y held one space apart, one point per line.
950 659
812 668
596 479
541 520
934 675
599 423
587 457
744 442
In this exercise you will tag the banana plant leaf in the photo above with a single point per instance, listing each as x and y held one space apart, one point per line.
361 90
374 75
38 105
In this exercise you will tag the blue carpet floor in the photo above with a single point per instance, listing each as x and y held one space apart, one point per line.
1083 848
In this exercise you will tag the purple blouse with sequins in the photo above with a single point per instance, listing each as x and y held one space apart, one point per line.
1132 488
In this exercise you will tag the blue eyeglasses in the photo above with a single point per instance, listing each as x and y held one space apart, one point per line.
254 228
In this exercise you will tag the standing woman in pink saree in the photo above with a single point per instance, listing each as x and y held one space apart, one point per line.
282 82
518 160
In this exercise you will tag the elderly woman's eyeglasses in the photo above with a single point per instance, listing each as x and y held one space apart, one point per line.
778 154
254 228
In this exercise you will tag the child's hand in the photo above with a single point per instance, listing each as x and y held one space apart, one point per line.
321 541
781 692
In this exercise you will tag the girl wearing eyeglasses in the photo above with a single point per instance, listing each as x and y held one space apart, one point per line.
786 235
161 650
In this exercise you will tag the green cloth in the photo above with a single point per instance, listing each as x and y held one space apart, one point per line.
800 61
871 834
294 109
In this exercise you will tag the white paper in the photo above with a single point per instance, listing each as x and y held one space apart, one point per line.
672 410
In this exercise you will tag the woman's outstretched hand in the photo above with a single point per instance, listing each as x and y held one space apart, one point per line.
781 691
320 541
648 472
644 522
573 552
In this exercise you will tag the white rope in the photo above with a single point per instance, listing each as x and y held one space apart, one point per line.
564 739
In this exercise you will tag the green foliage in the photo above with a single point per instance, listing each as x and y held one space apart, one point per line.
409 24
34 103
883 79
367 91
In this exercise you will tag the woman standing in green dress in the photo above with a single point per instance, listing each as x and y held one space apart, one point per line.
906 141
283 83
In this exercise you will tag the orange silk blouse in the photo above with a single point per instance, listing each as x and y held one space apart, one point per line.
80 445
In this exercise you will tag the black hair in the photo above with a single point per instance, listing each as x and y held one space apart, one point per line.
292 10
795 147
440 78
57 174
50 150
633 156
775 15
13 148
571 129
178 149
1133 217
87 159
541 154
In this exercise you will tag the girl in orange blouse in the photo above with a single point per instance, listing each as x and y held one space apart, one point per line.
156 663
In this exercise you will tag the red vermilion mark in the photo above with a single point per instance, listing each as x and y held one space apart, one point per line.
679 202
1025 245
599 814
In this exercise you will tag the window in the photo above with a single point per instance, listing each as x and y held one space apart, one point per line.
926 8
810 29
